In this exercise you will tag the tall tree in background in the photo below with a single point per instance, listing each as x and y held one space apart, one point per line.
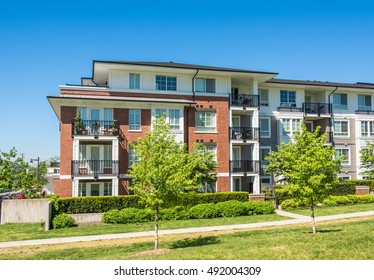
166 169
367 160
306 168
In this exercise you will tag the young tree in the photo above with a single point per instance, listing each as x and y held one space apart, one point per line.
165 168
306 168
367 160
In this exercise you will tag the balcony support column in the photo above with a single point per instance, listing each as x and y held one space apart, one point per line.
75 149
254 87
256 184
115 187
75 189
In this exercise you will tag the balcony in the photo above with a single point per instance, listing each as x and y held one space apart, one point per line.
244 100
364 112
88 127
317 108
95 167
245 133
289 107
244 166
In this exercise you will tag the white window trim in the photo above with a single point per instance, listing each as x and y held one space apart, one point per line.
266 177
349 154
167 119
215 123
292 132
269 122
342 136
167 76
206 78
340 106
140 81
259 93
140 120
88 188
370 133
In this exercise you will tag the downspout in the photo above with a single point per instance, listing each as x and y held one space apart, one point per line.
188 109
330 119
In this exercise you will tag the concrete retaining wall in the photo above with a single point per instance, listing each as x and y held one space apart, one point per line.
87 218
26 211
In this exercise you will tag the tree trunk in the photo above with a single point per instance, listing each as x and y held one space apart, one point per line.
156 227
314 230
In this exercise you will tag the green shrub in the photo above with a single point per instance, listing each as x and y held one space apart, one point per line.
367 198
293 203
112 217
175 213
231 208
259 207
63 221
193 198
203 211
343 188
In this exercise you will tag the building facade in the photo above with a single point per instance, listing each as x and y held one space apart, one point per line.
240 115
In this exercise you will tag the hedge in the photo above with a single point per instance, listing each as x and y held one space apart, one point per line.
330 201
63 221
231 208
100 204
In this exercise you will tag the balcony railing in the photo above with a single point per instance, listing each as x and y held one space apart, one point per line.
80 85
245 133
95 167
364 112
88 127
317 108
244 100
244 166
289 108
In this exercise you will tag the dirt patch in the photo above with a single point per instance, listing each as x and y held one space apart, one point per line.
152 253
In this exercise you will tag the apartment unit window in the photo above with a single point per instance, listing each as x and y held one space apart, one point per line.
205 122
290 126
264 97
166 83
265 127
82 189
364 102
205 85
210 149
134 80
160 113
265 179
264 152
108 156
107 188
287 98
340 101
343 152
174 119
134 119
132 156
341 129
208 187
367 128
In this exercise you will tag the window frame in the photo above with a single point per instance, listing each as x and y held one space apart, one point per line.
167 85
347 160
261 129
346 135
204 84
340 105
263 102
288 103
204 128
208 148
292 126
132 156
134 81
133 126
366 97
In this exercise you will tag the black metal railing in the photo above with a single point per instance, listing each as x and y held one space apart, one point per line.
364 112
95 127
317 108
244 133
244 166
95 167
244 100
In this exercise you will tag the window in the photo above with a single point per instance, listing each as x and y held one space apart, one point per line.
265 179
265 127
132 157
340 101
108 156
341 129
174 119
343 152
209 148
166 83
134 119
160 113
82 189
264 97
208 187
364 102
367 128
205 85
290 126
134 80
107 188
287 98
264 152
205 122
108 115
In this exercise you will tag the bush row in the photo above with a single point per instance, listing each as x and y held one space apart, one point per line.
231 208
330 201
93 204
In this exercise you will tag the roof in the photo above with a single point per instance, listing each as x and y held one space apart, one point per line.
320 83
183 66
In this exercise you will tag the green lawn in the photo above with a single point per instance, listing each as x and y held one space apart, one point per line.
338 240
335 210
14 232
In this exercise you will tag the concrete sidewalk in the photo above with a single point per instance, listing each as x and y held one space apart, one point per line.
296 219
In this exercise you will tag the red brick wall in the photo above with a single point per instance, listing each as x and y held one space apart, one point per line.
223 184
63 187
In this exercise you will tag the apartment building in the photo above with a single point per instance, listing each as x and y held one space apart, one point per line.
240 115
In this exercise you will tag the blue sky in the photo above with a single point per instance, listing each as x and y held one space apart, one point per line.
44 44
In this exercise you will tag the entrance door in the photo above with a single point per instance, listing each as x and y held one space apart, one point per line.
235 96
237 184
95 156
236 156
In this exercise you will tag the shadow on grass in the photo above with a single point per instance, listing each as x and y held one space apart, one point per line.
192 242
325 231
